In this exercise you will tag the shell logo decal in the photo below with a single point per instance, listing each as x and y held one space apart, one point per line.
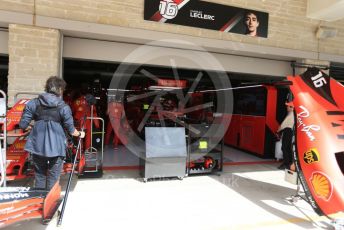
321 185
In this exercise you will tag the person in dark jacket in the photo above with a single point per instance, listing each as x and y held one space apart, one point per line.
287 127
47 141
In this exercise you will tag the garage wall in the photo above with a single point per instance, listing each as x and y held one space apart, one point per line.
22 6
34 56
3 42
288 27
183 58
291 36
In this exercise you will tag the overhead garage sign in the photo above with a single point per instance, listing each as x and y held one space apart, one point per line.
207 15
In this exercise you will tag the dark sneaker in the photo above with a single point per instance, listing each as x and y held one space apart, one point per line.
282 166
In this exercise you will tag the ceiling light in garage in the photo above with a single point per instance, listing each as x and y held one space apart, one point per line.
326 32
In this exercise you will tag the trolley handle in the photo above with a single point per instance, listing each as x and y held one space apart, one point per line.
3 140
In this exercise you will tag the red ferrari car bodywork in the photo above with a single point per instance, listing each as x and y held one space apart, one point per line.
319 149
23 203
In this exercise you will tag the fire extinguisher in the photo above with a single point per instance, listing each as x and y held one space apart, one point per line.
209 163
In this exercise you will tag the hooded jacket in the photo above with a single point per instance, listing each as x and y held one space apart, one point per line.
47 138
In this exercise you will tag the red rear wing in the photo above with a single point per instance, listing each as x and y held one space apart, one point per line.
319 109
15 113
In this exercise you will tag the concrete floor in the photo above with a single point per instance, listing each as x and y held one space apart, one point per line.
123 157
242 197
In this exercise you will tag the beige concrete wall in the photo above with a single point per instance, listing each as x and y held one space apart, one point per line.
288 25
34 52
34 55
283 26
23 6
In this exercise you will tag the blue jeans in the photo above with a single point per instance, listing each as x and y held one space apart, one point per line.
47 171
